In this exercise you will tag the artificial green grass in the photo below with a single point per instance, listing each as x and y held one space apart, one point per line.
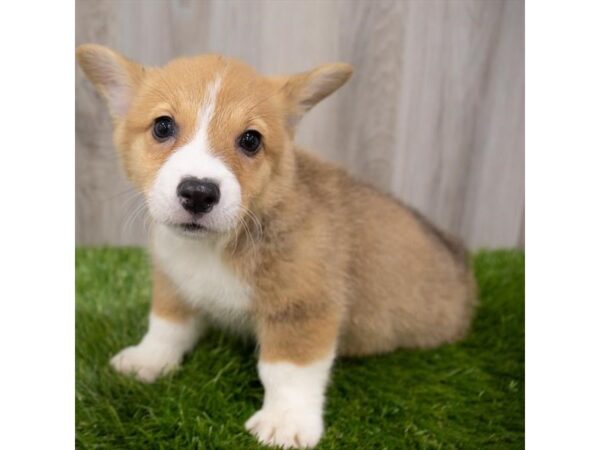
467 395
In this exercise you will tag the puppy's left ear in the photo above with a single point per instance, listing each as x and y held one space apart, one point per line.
115 76
303 91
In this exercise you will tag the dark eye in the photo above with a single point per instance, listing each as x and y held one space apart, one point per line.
164 128
250 141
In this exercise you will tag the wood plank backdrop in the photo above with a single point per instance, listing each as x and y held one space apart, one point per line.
434 112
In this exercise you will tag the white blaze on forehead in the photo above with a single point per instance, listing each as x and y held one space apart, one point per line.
196 159
206 112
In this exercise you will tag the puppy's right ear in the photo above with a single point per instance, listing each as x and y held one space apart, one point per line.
115 77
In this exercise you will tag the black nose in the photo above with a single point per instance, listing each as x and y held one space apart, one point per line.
198 196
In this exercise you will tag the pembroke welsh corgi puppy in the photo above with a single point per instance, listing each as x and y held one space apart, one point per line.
253 234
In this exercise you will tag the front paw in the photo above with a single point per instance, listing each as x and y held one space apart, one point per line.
298 428
145 362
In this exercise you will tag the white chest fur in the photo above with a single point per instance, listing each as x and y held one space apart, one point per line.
203 279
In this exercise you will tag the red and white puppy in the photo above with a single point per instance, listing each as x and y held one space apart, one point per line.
255 235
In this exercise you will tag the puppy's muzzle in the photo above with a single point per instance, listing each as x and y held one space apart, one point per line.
198 196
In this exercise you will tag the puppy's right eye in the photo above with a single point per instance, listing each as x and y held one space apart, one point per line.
164 128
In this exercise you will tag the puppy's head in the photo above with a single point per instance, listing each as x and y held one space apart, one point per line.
204 138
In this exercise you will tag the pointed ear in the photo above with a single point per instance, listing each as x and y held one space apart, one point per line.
115 77
305 90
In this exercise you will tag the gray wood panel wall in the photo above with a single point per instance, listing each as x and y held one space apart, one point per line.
434 112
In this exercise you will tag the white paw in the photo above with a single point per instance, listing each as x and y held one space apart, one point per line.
145 362
287 429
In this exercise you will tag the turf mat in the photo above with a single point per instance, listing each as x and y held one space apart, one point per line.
466 395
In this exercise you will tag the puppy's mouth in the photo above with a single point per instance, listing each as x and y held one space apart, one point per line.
191 229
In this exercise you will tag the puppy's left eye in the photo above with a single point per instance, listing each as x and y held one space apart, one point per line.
250 141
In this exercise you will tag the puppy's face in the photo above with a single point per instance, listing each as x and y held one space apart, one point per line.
204 138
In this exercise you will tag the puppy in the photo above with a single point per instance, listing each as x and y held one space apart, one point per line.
260 237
